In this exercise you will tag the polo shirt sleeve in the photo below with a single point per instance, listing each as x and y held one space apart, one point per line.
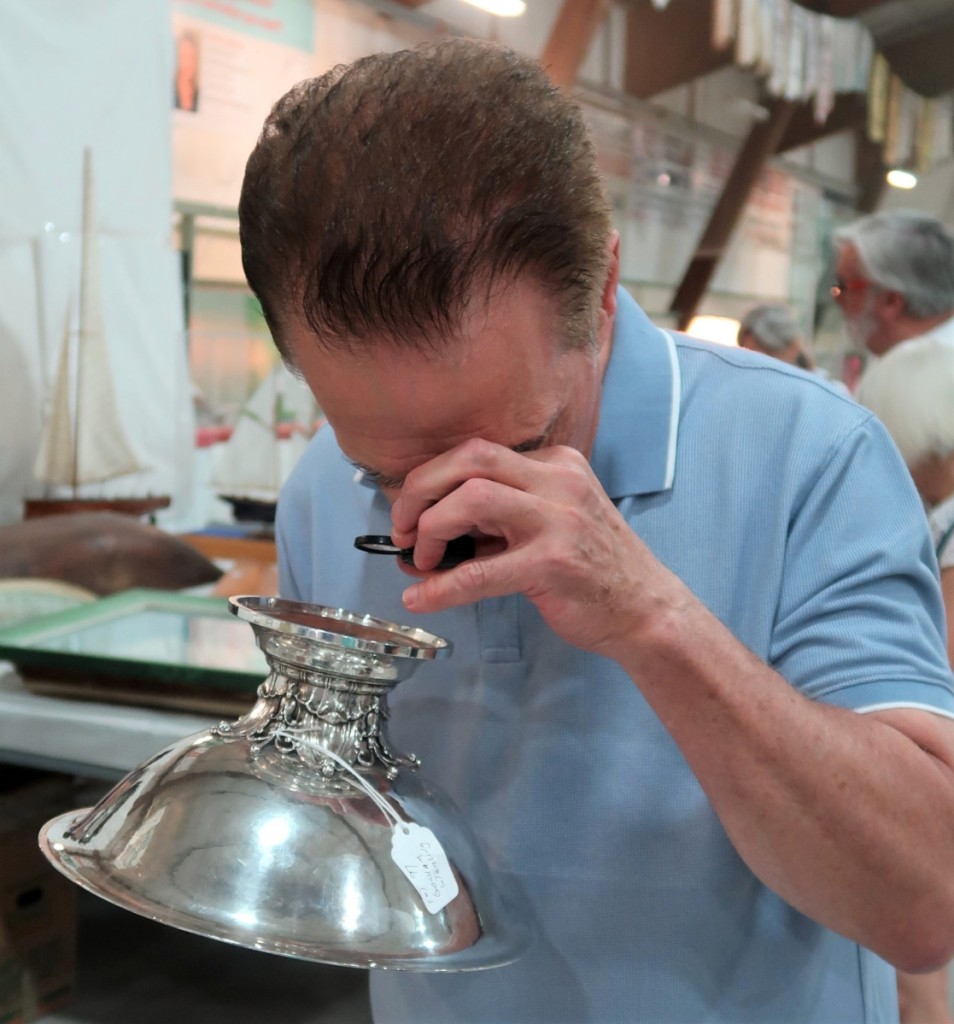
860 621
295 524
290 522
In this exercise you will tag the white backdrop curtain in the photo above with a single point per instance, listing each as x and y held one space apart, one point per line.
95 74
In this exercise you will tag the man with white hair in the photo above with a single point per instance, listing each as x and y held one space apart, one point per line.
912 392
894 279
895 286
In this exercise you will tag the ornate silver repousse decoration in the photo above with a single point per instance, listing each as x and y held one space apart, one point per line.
305 714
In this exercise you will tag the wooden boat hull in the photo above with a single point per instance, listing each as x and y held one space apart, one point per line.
251 510
104 552
34 508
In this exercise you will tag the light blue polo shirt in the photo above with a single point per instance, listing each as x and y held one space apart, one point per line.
788 512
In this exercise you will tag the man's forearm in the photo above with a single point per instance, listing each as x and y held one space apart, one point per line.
845 816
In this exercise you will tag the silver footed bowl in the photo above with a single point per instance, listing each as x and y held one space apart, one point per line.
297 829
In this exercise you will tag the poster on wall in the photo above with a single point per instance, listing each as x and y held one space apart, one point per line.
233 59
286 22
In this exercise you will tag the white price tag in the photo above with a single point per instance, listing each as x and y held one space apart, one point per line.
421 857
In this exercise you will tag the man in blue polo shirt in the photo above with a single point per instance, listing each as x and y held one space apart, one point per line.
699 707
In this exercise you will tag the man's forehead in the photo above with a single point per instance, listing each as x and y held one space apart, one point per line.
395 480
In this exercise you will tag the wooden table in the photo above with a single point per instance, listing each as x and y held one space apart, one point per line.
250 564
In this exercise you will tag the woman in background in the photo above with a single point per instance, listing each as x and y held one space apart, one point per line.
772 330
912 392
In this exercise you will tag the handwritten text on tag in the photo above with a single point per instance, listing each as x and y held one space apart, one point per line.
421 857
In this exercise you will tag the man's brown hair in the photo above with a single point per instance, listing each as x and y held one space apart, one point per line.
381 196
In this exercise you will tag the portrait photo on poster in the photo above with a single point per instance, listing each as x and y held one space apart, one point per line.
185 83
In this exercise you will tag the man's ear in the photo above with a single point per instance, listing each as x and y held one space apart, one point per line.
608 298
612 275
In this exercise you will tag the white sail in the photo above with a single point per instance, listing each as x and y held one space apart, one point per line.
56 457
84 441
255 461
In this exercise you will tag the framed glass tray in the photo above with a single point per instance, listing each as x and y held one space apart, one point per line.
157 641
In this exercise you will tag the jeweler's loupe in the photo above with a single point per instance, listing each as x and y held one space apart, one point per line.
457 550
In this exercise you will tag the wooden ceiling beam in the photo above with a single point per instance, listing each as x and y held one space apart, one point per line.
841 8
923 62
762 141
849 112
570 39
870 171
667 48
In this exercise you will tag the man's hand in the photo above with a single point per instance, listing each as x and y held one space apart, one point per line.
544 527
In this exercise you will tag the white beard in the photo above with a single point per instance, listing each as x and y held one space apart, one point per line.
860 328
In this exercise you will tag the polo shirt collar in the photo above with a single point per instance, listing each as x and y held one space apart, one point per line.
635 447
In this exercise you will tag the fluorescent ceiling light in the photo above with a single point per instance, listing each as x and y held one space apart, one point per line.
901 179
503 8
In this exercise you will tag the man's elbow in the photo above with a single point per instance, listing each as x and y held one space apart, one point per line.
923 961
926 946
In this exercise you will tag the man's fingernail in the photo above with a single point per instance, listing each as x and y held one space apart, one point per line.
410 598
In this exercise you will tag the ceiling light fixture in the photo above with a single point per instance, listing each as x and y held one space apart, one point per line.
502 8
897 177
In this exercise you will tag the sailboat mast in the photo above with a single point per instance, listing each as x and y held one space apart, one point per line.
84 440
88 240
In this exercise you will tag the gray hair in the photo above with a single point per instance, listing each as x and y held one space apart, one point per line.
907 252
773 326
911 390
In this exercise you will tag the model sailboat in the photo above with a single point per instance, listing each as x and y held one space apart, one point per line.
84 441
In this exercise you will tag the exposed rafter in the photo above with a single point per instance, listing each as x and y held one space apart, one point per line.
666 48
841 8
571 38
849 113
762 141
923 61
870 173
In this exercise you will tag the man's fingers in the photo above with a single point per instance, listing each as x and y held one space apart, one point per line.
473 460
482 507
468 582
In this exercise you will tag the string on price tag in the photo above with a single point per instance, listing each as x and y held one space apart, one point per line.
414 848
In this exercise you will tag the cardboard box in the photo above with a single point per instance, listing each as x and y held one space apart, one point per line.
37 905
